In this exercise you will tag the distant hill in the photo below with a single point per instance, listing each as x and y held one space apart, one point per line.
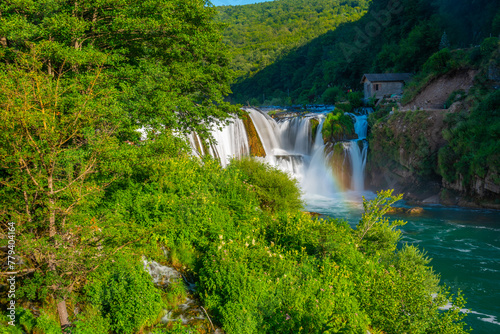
262 33
293 51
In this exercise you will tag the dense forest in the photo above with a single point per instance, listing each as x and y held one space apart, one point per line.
392 36
98 184
260 34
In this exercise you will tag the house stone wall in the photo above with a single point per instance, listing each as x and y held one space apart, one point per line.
385 88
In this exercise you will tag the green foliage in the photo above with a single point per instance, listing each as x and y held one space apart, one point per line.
355 98
438 62
125 295
90 322
337 126
77 80
274 188
390 37
496 24
257 271
176 294
262 33
333 95
177 328
254 102
488 46
26 323
375 234
46 325
320 276
161 55
466 157
455 96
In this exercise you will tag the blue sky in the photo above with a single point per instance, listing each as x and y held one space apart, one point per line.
235 2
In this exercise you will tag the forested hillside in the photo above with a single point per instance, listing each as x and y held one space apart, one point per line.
260 34
393 36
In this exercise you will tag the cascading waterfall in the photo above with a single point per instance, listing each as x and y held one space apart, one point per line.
289 145
231 142
358 155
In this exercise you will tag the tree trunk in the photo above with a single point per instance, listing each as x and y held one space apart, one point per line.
52 209
61 306
63 313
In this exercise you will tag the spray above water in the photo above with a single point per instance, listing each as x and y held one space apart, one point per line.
290 145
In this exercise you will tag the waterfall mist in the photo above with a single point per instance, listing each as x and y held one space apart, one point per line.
290 145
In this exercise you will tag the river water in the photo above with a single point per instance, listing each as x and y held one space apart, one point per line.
464 245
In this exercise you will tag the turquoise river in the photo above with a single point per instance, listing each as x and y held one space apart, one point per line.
464 245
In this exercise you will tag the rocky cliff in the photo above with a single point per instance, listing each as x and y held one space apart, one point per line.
404 150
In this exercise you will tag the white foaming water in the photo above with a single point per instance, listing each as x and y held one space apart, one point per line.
268 132
289 145
196 144
231 142
361 126
358 163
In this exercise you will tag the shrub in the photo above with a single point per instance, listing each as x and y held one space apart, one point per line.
438 62
320 276
333 95
91 322
455 96
274 188
356 99
254 102
488 46
337 126
124 293
46 325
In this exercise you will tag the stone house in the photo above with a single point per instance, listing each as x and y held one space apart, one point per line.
383 85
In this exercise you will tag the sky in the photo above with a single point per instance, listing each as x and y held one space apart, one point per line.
235 2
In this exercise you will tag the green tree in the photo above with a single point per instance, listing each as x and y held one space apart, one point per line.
445 43
77 79
55 134
166 57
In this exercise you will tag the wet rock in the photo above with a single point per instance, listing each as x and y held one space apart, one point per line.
409 211
416 211
161 275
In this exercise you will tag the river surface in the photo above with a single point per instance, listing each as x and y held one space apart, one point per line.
464 245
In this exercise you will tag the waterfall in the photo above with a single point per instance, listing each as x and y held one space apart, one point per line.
288 144
267 129
231 142
358 155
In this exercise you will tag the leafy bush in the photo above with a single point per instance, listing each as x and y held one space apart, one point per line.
333 95
488 46
438 62
177 328
337 126
46 325
318 276
455 96
356 99
274 188
90 322
254 102
124 293
456 159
